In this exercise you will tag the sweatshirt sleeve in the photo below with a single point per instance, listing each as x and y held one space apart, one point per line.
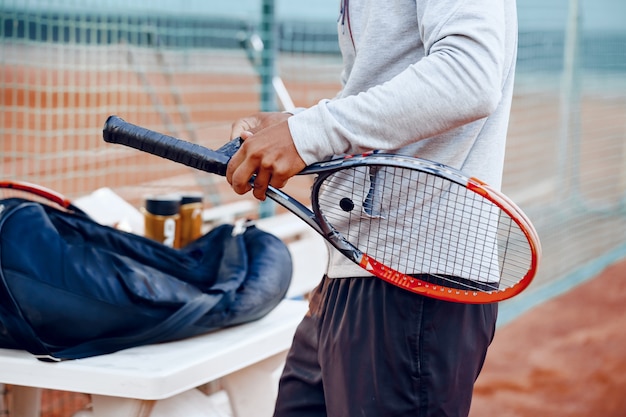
454 75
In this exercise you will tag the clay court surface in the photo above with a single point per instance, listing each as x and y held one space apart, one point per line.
564 358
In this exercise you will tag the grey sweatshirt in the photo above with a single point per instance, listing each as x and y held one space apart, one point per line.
427 78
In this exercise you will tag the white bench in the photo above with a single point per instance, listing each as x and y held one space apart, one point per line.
160 380
126 383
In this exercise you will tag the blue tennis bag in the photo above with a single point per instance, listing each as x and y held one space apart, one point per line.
72 288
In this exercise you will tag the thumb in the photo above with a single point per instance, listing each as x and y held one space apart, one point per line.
245 134
243 127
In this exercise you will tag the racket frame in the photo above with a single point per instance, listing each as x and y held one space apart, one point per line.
40 191
117 130
376 158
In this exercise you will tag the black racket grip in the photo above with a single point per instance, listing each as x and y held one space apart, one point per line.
116 130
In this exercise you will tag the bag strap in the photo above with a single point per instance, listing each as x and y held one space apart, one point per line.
166 330
24 335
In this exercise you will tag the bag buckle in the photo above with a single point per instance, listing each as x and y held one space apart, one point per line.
241 225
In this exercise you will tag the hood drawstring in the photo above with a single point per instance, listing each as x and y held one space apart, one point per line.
344 17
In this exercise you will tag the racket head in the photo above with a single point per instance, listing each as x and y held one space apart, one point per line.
426 227
37 193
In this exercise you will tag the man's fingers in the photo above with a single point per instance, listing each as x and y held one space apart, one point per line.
261 181
237 175
240 180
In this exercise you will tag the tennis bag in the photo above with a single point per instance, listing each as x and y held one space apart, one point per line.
72 288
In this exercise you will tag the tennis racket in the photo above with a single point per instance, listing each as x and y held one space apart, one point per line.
417 224
37 193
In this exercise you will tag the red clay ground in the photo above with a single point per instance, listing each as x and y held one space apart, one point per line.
564 358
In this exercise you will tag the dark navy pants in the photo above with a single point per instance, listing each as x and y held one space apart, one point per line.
367 348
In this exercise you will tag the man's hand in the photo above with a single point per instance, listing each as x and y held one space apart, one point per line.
252 124
268 153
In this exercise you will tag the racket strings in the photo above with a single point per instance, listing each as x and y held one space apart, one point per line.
420 224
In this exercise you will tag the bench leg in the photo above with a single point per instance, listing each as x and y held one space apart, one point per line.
105 406
26 401
3 405
252 391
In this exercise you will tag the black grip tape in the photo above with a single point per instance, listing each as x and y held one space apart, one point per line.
116 130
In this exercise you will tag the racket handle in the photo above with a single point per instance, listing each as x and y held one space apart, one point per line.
116 130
